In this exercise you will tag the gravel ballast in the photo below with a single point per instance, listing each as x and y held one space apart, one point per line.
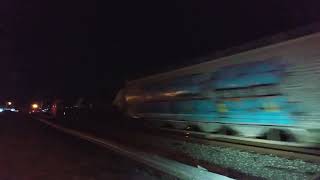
265 166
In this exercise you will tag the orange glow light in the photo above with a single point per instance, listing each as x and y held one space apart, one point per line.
35 106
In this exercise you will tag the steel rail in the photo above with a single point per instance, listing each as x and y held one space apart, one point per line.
286 149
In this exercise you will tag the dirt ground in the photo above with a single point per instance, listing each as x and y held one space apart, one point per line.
30 150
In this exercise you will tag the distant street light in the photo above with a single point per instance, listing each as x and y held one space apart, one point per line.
35 106
9 103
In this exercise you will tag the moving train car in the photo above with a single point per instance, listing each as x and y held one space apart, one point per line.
271 92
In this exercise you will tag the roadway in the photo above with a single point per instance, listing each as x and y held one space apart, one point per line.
30 150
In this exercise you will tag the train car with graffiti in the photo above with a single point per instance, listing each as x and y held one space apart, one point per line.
271 92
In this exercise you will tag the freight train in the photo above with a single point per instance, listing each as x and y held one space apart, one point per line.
271 92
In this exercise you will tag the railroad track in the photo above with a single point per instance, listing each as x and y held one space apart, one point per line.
291 150
169 141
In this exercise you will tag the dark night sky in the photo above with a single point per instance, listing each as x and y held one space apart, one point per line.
86 47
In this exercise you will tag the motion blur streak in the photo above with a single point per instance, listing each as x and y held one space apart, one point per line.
268 93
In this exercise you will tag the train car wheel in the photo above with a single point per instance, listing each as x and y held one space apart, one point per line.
227 131
280 135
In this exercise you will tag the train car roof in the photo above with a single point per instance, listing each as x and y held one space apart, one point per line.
280 39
